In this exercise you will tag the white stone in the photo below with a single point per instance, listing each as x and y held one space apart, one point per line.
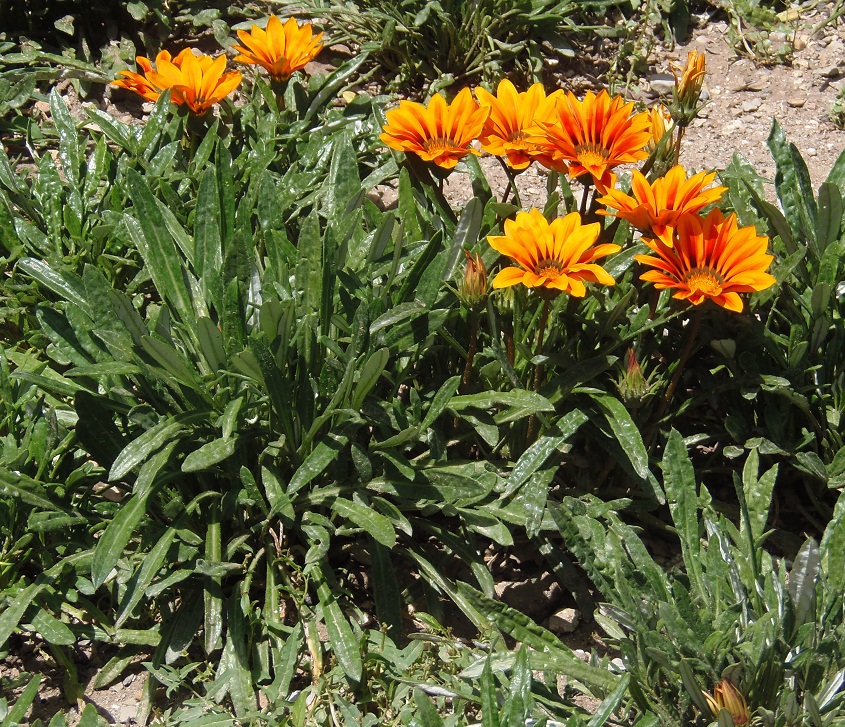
564 621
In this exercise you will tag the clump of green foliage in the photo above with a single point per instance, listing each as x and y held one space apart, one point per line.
238 436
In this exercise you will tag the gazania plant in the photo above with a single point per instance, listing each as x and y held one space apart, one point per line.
289 385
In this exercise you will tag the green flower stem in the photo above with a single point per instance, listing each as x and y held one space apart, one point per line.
466 378
692 335
538 368
681 130
585 197
511 175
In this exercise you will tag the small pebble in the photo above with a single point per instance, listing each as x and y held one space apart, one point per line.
661 83
750 105
796 103
128 680
564 621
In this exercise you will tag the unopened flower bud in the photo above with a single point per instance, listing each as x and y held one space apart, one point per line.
688 89
633 385
473 287
727 696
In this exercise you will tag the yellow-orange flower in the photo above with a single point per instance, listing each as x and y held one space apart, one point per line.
508 127
654 209
559 256
711 259
141 84
280 49
197 81
661 124
727 696
440 132
596 134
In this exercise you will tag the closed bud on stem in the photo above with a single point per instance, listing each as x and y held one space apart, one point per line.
687 93
727 696
473 288
634 386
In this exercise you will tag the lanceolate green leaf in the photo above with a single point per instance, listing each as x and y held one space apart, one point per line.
27 490
150 566
378 526
343 640
65 284
14 612
208 245
522 628
157 248
386 593
115 537
802 581
536 455
317 461
489 703
22 704
625 430
139 449
210 454
679 482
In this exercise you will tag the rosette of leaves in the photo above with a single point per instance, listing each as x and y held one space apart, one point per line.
729 607
788 362
254 369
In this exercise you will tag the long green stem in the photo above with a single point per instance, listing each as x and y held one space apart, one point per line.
538 368
466 379
681 130
584 198
692 335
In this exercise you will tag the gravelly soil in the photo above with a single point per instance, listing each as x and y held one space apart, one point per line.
742 100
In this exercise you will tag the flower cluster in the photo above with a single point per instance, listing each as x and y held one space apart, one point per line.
699 257
585 138
198 81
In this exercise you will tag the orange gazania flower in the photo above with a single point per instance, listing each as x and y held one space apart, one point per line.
559 256
197 81
506 130
661 124
596 134
440 132
280 49
711 259
655 208
141 84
